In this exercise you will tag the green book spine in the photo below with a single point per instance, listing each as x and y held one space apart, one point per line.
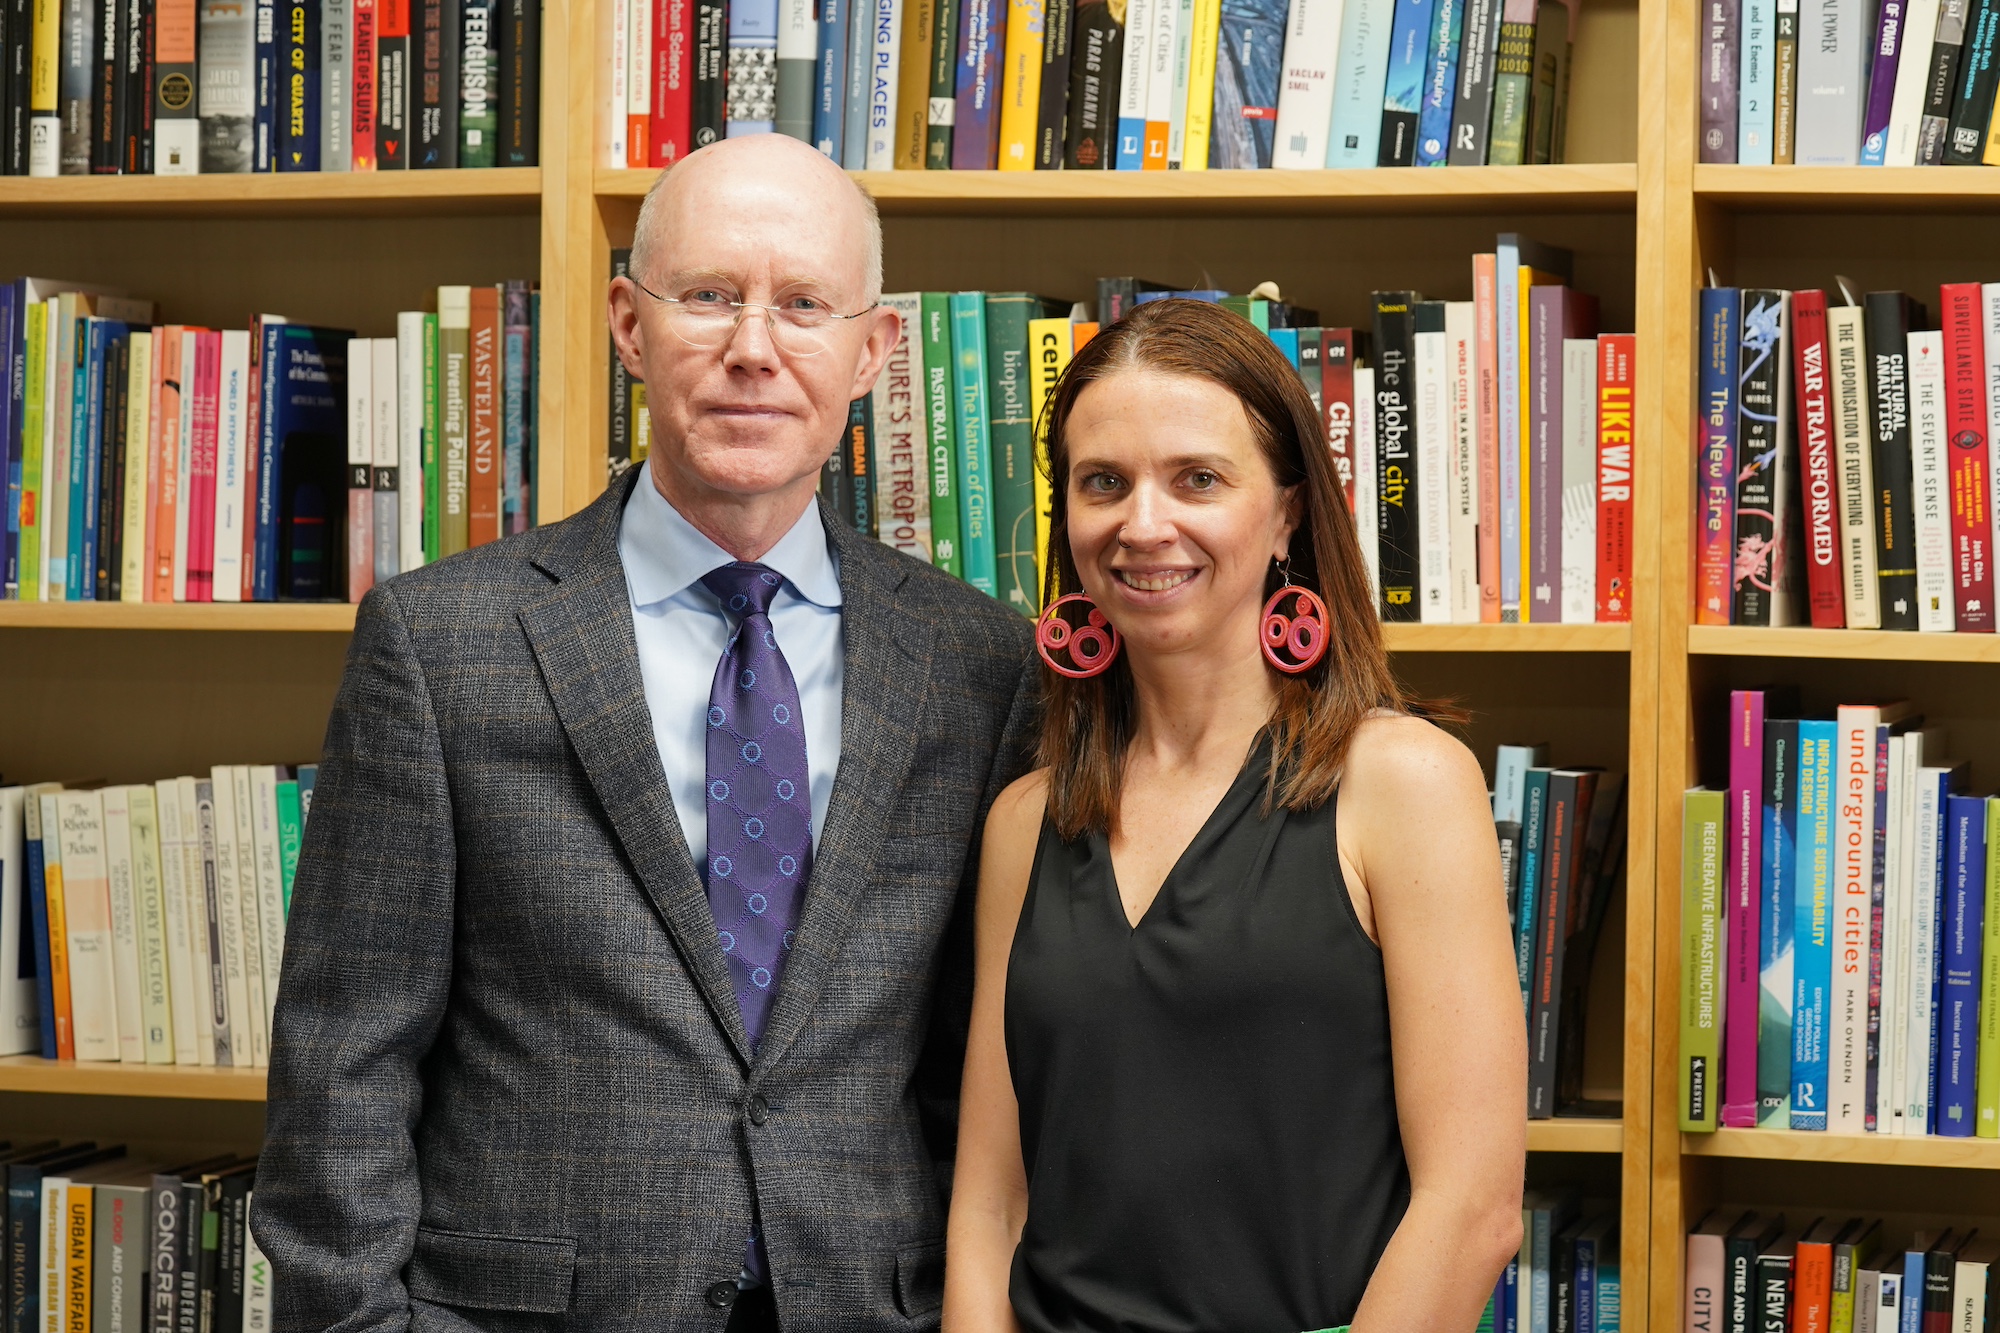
433 427
1012 435
33 409
975 449
291 831
479 85
944 88
1701 957
939 401
1513 80
1986 1092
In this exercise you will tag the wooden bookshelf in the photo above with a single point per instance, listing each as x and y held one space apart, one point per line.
317 617
31 1073
1576 1135
1848 189
1870 1149
1407 638
1856 644
277 195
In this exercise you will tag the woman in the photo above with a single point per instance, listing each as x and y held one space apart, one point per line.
1260 1070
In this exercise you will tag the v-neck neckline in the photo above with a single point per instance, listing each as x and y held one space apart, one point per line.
1173 871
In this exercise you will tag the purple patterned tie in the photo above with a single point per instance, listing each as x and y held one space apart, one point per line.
759 795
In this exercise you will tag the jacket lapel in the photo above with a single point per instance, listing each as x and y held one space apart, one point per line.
582 638
886 675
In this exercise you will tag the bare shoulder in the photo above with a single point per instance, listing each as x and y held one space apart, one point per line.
1021 802
1403 762
1013 828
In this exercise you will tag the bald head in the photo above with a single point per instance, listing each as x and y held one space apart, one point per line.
761 177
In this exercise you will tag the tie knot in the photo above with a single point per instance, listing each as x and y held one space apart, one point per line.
744 589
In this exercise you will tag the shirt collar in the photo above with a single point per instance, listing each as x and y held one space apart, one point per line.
664 554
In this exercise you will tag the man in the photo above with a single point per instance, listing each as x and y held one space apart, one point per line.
626 974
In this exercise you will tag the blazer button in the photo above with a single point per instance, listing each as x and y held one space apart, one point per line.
760 1110
722 1295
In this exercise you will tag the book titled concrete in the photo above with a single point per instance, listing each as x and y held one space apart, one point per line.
1833 67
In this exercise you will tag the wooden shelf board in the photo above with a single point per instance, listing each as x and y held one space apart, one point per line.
1849 189
1580 187
282 194
1873 1149
1578 1135
1869 644
331 617
1408 638
31 1073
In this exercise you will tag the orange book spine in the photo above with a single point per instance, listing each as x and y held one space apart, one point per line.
1156 146
58 940
483 441
1812 1309
1486 409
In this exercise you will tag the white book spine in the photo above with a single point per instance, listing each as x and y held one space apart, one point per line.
93 988
1579 488
1929 488
1462 351
150 906
1364 481
1913 68
1832 81
248 904
1928 883
1134 63
1853 910
618 74
883 79
20 1030
360 531
124 923
138 417
181 972
410 437
45 145
228 927
1177 102
1305 87
902 505
387 476
1854 464
639 62
1160 64
205 983
1989 311
336 85
184 465
232 457
259 1302
270 880
1434 448
1895 938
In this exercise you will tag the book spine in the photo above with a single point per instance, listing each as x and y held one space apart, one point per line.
1721 35
1568 797
1776 923
1021 83
1854 465
1972 108
521 82
1941 81
484 460
975 129
1204 53
1472 107
1936 605
1832 69
1305 89
1337 401
1758 558
1090 136
1615 356
454 400
1703 893
1430 432
336 84
1989 302
1891 22
941 408
1968 482
1744 863
860 450
1486 407
1402 88
392 85
1250 62
917 45
1360 76
859 83
478 72
1818 487
1959 948
1513 82
1812 952
1164 42
1926 904
1534 828
363 88
1012 435
796 67
384 400
1987 1090
1757 47
360 469
1887 317
1718 387
1853 892
1579 463
1397 522
979 551
903 506
436 132
1812 1286
298 53
1919 23
942 109
1440 82
1877 929
1366 478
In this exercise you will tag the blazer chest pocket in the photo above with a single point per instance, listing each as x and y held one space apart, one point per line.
476 1271
920 1278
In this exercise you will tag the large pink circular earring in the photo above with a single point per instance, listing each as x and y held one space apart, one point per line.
1296 642
1091 646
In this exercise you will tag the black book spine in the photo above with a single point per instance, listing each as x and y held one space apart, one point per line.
938 119
229 1251
1562 1285
1399 139
436 100
833 485
212 1228
618 449
107 94
1739 1276
520 83
1050 130
1888 319
1774 1287
14 37
164 1225
860 450
1940 1266
392 102
24 1191
1934 130
1396 452
1097 41
111 510
1758 524
1472 105
187 1307
139 48
1556 868
711 57
1972 109
1309 369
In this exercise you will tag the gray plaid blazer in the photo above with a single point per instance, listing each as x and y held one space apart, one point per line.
510 1087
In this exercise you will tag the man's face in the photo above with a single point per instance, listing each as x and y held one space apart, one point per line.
748 408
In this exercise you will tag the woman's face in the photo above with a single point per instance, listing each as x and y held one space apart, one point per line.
1174 516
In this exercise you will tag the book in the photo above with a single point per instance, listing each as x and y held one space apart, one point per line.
1853 827
20 1006
975 131
1758 81
1818 486
1941 81
1249 65
1513 82
1434 117
1812 943
1463 381
1972 106
902 497
914 52
978 546
124 937
1763 593
1021 84
1162 48
1555 314
1968 479
1703 895
1832 74
1402 96
1987 1089
1430 433
1098 42
1360 75
1398 525
1204 50
1743 864
1720 36
1847 379
1889 318
1719 385
1930 502
1305 89
1571 792
483 406
1960 951
1011 430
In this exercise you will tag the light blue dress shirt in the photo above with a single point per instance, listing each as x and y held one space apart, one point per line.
682 631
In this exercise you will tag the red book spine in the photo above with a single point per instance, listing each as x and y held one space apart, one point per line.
167 432
201 468
1614 477
483 399
1818 490
1336 367
362 54
1965 455
673 91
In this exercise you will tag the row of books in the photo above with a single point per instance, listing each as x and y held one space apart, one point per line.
1903 83
1562 853
157 915
1846 473
1760 1272
151 462
1840 930
1090 84
187 87
99 1241
1566 1277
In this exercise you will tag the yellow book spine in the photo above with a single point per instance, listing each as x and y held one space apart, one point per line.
42 61
1201 83
1992 158
913 83
1051 343
1021 84
76 1261
59 953
132 562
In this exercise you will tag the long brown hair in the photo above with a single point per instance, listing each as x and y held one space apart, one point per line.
1088 724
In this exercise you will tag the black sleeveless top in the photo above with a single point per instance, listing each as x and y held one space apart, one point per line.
1208 1117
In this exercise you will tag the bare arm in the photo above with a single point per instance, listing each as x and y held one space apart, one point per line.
1417 845
989 1201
